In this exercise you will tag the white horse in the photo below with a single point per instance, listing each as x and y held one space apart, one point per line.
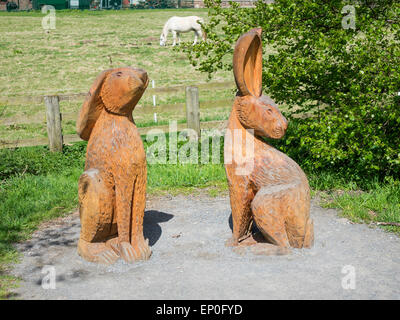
179 25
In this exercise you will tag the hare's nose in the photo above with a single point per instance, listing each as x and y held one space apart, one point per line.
142 75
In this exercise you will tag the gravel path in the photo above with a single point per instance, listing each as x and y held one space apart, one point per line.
190 260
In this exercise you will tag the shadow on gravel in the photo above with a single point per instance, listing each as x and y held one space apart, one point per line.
51 238
151 228
254 228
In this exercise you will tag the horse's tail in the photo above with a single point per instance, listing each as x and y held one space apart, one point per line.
204 34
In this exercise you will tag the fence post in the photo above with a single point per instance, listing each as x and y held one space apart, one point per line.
53 118
192 109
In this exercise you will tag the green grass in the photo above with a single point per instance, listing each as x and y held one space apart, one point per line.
379 204
67 59
167 177
7 283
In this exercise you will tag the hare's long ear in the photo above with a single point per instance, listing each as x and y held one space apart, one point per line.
247 63
91 108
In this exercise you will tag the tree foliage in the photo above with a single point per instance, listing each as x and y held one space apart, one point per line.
339 84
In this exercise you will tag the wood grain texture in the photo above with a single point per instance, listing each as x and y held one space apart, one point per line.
276 194
112 190
53 119
193 109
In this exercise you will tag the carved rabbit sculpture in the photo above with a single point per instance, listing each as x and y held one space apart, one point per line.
112 190
275 194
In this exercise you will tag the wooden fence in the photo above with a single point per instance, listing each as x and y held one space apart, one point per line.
54 117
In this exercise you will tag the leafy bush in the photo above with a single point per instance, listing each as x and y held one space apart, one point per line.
339 84
39 161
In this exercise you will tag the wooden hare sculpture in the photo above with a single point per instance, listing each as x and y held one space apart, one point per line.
275 194
112 190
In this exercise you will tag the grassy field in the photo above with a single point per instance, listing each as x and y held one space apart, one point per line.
67 60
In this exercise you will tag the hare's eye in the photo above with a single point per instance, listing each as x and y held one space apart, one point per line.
118 74
269 111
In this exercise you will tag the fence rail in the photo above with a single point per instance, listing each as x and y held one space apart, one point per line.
70 138
139 110
148 92
53 117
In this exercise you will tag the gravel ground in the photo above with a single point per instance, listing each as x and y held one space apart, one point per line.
190 260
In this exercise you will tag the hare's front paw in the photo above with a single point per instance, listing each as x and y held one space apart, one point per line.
127 252
139 250
142 248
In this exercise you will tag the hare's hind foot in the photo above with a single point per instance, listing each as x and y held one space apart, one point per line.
257 244
243 241
96 198
138 250
281 213
142 248
97 252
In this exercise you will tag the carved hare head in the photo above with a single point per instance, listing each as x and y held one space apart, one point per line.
254 110
116 90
